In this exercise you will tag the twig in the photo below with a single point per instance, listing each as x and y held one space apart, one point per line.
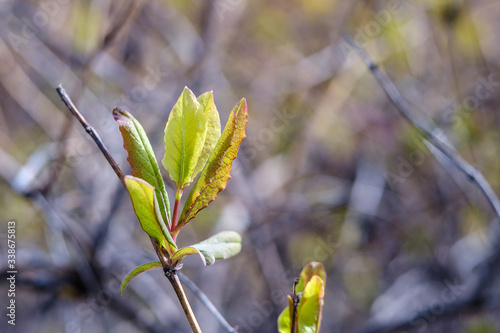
439 141
206 301
92 132
171 275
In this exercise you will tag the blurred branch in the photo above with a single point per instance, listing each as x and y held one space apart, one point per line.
473 298
206 301
122 24
436 137
103 227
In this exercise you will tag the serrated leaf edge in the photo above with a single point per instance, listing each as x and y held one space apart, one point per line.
186 212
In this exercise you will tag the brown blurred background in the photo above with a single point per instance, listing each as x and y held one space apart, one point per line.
329 170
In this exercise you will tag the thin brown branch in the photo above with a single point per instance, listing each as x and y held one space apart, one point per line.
171 275
90 130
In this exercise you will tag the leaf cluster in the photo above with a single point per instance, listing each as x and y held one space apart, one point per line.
193 145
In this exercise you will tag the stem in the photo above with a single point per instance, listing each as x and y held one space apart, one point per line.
296 299
178 196
171 275
294 320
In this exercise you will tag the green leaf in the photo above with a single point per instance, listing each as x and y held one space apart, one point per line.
146 208
220 246
137 271
310 306
207 104
285 318
311 269
216 172
185 135
141 157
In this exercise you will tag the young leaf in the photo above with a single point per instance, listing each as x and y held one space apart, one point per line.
184 138
216 172
220 246
310 306
137 271
207 104
146 208
311 269
141 157
285 318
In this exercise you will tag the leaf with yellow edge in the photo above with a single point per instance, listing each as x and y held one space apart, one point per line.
216 172
185 135
137 271
146 208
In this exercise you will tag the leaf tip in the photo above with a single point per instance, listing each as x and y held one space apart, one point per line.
123 286
243 105
119 113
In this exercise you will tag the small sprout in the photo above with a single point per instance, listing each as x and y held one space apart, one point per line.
303 314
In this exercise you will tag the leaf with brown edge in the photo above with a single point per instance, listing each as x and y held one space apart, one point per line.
141 157
216 172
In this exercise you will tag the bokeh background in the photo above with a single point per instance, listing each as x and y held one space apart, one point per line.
329 170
